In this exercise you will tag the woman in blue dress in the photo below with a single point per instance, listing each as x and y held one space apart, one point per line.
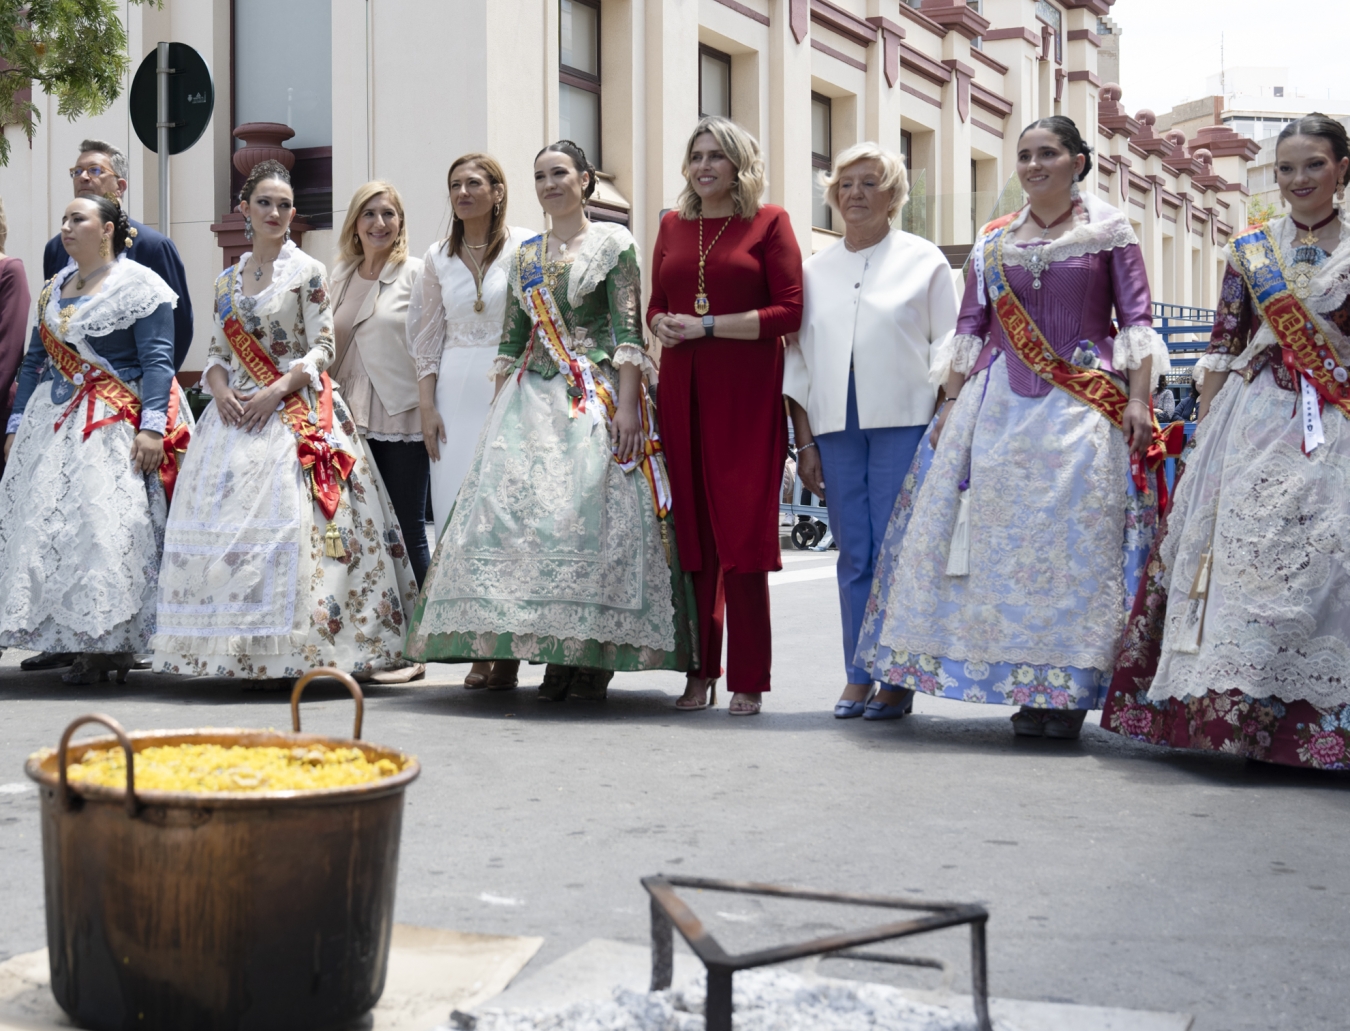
91 451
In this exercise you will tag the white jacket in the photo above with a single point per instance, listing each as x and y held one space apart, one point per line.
887 319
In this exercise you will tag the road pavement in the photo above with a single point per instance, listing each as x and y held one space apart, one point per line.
1116 874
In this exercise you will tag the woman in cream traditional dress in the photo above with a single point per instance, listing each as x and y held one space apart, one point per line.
454 327
1239 640
1015 549
555 552
83 500
282 552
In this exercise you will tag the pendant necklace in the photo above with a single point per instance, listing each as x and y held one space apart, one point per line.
478 280
701 305
1034 256
257 273
1309 237
562 246
1046 227
81 280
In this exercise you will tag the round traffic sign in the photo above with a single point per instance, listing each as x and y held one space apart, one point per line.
192 98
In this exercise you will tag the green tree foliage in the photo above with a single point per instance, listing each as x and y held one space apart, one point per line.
75 50
1258 214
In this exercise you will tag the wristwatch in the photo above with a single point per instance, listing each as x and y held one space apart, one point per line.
708 324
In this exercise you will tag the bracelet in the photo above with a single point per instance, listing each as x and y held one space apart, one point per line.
803 447
1138 401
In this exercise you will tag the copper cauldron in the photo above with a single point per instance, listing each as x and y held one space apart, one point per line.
244 911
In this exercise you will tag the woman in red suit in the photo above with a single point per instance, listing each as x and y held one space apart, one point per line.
726 287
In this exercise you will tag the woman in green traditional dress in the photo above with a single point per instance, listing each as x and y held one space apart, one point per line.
559 548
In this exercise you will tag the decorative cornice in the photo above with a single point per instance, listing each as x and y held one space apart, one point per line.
891 35
987 128
922 19
907 88
848 25
1074 35
1083 75
920 63
1021 32
838 55
989 100
987 61
1101 8
1223 142
749 12
959 17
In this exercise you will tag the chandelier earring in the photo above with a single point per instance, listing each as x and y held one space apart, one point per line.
286 236
248 228
105 248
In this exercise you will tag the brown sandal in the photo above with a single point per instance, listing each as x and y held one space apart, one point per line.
505 675
474 679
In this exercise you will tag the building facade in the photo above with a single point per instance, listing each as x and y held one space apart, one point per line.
390 90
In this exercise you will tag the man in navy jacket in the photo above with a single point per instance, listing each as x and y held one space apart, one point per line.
101 170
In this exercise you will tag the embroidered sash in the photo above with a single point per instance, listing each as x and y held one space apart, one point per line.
587 388
1311 361
95 383
315 445
1092 387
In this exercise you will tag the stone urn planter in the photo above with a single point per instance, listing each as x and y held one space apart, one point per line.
262 141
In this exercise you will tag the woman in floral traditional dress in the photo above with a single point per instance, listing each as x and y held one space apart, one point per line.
555 552
1239 640
83 500
1013 553
282 552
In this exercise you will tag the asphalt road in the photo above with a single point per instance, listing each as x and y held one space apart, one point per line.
1116 874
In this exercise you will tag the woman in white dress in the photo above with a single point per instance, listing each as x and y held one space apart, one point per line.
454 326
97 412
281 552
1239 640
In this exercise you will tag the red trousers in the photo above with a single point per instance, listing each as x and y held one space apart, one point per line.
744 595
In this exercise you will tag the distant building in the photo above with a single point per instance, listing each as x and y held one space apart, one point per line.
397 90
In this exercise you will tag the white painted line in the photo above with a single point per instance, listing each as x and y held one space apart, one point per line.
499 900
795 576
14 789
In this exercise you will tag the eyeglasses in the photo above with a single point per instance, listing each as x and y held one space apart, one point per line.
92 171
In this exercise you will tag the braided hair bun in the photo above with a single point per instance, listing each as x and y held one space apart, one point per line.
110 210
262 171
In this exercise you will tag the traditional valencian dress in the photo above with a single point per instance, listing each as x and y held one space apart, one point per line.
553 551
1024 603
81 529
281 552
1239 640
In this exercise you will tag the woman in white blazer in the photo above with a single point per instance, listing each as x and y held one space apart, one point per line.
376 376
878 305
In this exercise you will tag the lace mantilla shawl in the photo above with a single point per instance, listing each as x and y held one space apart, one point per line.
599 253
292 266
129 294
1328 291
1097 227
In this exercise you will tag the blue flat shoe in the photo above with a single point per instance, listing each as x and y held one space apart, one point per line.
879 711
849 710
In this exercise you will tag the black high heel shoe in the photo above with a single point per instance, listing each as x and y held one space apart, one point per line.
557 682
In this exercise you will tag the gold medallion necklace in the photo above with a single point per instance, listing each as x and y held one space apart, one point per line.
701 305
478 281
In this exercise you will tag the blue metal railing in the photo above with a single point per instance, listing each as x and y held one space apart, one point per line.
1186 331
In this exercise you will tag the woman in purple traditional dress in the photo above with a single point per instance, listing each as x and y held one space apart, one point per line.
1016 544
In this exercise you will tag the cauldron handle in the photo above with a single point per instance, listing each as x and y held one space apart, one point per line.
347 681
63 788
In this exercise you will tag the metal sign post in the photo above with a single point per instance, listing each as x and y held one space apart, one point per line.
171 101
162 126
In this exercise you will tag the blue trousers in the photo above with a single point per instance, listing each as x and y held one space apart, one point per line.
863 471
